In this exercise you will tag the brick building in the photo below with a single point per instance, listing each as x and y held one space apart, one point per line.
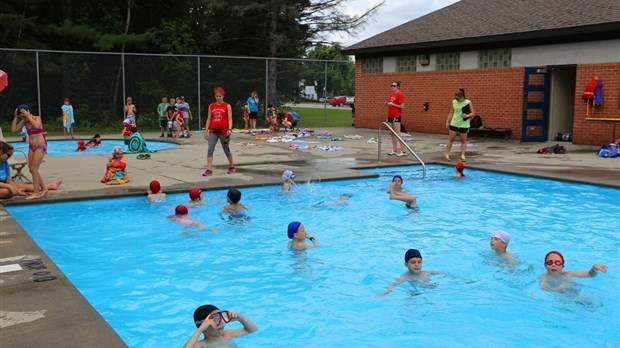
523 64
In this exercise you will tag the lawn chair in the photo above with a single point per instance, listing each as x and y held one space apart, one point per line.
17 165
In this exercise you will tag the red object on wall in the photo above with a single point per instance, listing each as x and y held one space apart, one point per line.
4 80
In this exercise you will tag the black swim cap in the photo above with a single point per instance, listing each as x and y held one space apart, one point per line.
234 195
412 253
200 314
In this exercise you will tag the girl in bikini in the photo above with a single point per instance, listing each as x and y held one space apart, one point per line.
37 145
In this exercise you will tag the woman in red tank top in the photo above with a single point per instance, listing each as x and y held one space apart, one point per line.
219 127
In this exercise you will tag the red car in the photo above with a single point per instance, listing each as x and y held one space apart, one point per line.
338 101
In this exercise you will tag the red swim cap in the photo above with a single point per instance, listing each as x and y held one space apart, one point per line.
194 194
460 166
180 210
154 186
554 252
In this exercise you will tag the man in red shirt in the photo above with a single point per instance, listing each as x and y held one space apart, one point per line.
395 110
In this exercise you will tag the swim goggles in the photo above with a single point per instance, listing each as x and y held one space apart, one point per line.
551 262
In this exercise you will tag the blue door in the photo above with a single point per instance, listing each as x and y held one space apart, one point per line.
535 124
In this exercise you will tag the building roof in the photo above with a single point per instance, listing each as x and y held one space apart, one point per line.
480 24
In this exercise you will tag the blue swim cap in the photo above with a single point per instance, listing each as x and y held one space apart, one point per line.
397 176
411 253
23 106
292 229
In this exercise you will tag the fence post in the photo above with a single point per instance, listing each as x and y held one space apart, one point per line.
199 113
38 83
266 85
123 72
325 95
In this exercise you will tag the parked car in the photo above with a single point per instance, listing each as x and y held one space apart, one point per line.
350 100
338 101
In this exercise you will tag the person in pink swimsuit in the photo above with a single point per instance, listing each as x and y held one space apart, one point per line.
37 145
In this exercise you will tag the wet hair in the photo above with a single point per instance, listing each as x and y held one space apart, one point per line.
234 195
97 135
5 147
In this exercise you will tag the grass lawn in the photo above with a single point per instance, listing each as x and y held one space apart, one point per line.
311 117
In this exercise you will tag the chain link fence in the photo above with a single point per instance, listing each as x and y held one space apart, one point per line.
98 84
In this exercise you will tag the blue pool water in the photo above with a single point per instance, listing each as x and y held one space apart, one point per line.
69 147
145 274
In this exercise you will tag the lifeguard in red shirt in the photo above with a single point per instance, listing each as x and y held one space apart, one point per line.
219 127
395 111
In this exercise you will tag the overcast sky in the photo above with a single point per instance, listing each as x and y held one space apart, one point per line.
392 14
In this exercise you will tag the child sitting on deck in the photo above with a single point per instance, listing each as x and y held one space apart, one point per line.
115 173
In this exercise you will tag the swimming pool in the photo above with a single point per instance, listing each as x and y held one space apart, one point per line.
69 147
147 278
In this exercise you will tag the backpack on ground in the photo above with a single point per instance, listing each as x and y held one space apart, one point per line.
476 122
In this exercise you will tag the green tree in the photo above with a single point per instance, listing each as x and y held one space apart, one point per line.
332 78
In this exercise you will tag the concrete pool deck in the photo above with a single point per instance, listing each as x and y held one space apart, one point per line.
40 307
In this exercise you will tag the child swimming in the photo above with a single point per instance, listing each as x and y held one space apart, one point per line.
396 191
556 279
233 197
155 193
458 170
288 178
297 236
195 197
181 215
413 262
499 243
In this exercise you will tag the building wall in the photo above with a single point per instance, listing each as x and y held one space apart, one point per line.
495 95
570 53
597 132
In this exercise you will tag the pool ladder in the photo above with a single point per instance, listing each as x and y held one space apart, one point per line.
402 142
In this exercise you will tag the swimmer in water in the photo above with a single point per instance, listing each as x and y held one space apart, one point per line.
211 321
297 236
181 215
556 279
458 170
233 197
288 178
155 194
499 243
413 262
397 192
195 197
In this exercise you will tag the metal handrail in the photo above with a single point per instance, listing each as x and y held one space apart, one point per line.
402 142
